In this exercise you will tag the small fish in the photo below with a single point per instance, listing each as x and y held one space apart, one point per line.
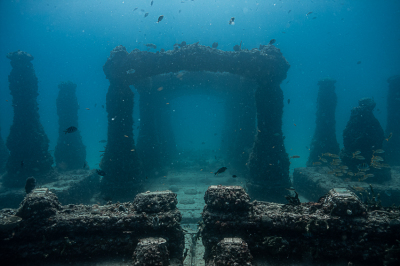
130 71
135 8
220 170
294 157
323 159
272 41
289 11
326 154
339 174
87 108
334 156
358 62
84 165
389 137
70 130
288 101
145 15
369 175
100 172
103 141
358 188
344 167
151 2
160 18
350 173
356 153
294 124
232 21
316 163
379 151
309 13
234 176
151 45
377 158
359 157
314 17
214 45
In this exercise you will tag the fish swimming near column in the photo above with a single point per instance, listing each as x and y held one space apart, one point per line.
70 130
220 170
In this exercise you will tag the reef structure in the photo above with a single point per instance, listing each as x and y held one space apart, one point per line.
392 140
363 140
27 142
69 153
339 227
268 163
324 139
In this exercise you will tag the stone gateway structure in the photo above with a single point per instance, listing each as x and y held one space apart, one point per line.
268 161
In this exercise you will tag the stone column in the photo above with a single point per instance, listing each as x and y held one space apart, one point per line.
120 162
324 140
28 143
362 139
392 133
70 153
269 162
3 155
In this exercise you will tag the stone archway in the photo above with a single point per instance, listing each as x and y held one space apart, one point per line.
268 162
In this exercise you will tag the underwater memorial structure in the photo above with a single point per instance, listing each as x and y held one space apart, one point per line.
268 161
324 139
27 142
3 155
69 153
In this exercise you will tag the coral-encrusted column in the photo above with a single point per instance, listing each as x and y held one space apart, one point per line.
122 180
3 155
269 162
70 153
324 140
28 143
392 134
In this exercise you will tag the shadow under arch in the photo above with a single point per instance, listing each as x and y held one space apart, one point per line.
268 162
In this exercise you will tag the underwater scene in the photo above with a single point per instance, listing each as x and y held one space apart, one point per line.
199 132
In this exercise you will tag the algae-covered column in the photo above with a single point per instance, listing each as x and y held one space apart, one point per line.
392 138
70 153
3 154
269 162
363 140
120 163
28 143
324 140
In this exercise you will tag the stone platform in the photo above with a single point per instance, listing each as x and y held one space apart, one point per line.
312 182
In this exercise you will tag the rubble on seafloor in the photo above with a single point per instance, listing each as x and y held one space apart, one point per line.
339 228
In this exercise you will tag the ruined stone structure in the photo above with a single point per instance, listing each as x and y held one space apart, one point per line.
362 137
392 133
28 143
70 153
324 140
268 163
3 155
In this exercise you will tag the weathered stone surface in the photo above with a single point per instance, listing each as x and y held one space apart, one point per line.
72 232
155 201
151 252
306 233
344 203
232 251
227 198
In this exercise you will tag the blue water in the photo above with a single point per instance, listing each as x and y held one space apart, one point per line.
71 40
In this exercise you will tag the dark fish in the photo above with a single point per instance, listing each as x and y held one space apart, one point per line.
358 62
309 13
214 45
272 41
220 170
70 130
234 176
103 141
135 8
160 18
289 11
145 15
84 165
232 21
150 45
142 10
288 101
100 172
30 184
151 2
314 17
